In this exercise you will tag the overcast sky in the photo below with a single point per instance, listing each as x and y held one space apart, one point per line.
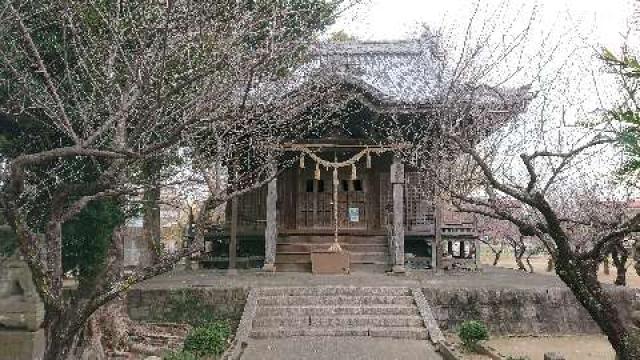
575 95
397 19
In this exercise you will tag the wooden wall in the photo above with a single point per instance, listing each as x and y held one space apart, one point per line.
299 210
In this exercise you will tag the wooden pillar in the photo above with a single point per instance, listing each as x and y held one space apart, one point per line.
397 182
271 230
438 236
233 239
477 253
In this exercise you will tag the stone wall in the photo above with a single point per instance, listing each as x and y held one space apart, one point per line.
21 313
544 311
520 311
183 305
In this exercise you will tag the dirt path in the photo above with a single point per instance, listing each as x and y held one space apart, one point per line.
572 347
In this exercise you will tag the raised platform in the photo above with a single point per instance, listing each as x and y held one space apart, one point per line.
509 301
489 277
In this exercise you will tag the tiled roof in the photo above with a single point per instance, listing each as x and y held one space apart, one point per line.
392 73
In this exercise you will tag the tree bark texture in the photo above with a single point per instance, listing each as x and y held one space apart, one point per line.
581 277
496 258
620 255
151 224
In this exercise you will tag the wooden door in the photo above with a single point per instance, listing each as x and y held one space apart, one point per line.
352 200
315 204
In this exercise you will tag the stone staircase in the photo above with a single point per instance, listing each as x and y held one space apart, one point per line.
367 253
337 311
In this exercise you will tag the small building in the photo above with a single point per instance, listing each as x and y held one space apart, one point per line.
351 181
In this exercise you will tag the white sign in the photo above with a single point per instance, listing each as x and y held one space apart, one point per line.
354 214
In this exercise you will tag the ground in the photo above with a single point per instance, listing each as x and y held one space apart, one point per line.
573 347
540 266
585 347
330 348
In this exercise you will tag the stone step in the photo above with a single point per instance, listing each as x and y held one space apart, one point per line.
355 268
307 248
338 300
417 333
332 291
355 258
293 258
370 268
284 267
317 310
339 321
369 258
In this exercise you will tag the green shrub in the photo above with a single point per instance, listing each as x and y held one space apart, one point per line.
180 355
210 339
472 331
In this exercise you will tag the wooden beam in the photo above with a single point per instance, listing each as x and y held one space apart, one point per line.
332 146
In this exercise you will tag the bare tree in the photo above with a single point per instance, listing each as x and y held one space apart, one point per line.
498 234
120 84
495 142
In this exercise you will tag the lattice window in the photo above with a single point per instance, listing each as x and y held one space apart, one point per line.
419 206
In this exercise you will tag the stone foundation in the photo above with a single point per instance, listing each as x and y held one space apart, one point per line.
520 311
178 305
21 345
21 313
507 311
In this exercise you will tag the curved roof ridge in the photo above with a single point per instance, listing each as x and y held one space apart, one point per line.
411 47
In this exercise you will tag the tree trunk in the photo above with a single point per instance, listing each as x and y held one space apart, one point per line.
550 264
518 252
58 341
496 259
581 277
636 256
151 223
528 259
620 255
605 265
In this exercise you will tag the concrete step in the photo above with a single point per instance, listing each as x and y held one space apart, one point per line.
339 321
331 291
418 333
307 247
338 300
318 310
